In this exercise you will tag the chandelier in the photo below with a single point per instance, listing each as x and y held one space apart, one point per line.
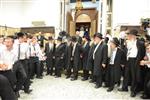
79 5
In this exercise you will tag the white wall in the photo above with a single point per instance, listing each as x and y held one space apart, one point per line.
130 11
20 13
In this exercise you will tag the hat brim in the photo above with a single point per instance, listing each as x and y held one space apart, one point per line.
117 44
133 34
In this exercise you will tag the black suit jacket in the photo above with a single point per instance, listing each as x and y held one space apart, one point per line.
140 56
49 54
59 56
76 57
85 52
120 59
90 62
68 52
101 56
41 39
79 39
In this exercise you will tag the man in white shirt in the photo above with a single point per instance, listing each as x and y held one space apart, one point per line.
117 59
2 46
7 59
22 54
135 53
35 52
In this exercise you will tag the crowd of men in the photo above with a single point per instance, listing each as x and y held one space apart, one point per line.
104 61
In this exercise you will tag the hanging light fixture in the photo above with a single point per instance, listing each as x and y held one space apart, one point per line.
79 5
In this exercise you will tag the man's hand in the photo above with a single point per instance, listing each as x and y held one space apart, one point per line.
142 63
3 66
122 65
103 65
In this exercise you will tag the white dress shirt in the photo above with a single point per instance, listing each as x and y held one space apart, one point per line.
74 47
8 57
96 49
85 44
148 55
2 47
132 49
113 55
23 50
51 46
109 50
35 50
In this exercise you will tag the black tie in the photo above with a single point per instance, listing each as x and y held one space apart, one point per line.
34 49
18 51
30 49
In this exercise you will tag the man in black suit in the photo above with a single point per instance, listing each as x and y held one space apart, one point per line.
41 39
90 61
75 58
100 58
143 63
59 57
135 53
85 52
6 91
117 59
49 52
22 51
68 52
79 38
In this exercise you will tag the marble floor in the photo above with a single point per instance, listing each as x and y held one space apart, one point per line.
50 88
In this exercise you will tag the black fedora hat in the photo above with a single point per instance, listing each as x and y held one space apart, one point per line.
115 41
59 38
99 35
87 37
133 32
147 37
74 39
50 38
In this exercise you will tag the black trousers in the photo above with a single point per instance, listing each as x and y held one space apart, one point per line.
58 72
10 75
130 73
35 67
112 76
146 81
58 66
85 74
75 70
92 76
26 68
6 91
41 67
50 66
99 78
20 75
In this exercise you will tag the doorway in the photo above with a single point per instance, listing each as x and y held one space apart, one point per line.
84 28
84 20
